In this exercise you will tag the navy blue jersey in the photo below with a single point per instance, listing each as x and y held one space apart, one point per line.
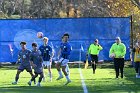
36 58
45 52
65 50
24 57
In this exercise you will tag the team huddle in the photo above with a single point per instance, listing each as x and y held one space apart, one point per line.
41 57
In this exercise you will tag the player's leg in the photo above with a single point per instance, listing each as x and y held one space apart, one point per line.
32 79
20 69
93 66
17 77
44 64
121 63
29 69
116 66
136 69
64 64
67 69
49 70
40 79
58 64
93 63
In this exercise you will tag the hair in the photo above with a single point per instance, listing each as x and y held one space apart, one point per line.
95 40
23 42
34 44
45 38
66 34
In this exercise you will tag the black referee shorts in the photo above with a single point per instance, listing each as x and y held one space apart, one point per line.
94 58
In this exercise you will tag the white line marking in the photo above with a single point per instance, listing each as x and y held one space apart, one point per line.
83 82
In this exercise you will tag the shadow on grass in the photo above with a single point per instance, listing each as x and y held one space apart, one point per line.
42 89
108 85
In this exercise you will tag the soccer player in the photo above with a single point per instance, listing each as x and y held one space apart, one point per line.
67 66
36 62
47 54
63 54
136 49
94 50
24 58
119 51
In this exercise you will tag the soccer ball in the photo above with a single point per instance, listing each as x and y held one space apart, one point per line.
39 34
112 55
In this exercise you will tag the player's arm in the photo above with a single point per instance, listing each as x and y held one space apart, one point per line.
100 47
59 53
123 51
41 50
111 49
52 52
88 51
19 57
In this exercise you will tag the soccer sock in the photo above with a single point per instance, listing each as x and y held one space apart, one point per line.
50 75
40 79
60 73
136 69
67 77
16 78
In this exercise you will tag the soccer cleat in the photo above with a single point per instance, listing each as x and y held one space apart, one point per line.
50 79
29 83
67 82
38 85
60 77
137 75
14 83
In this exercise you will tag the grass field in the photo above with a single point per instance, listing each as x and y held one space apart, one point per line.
101 82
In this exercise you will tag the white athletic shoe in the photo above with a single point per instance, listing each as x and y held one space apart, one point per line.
14 83
50 79
67 82
38 85
60 77
137 75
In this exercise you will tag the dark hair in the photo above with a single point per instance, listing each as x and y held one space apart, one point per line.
34 44
23 42
66 34
96 40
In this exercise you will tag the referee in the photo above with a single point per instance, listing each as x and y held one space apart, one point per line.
119 50
93 51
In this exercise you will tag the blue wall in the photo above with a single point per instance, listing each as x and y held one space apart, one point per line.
82 32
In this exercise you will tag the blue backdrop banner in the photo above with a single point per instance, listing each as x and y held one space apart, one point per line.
83 32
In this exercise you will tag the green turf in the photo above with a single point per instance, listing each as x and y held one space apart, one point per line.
101 82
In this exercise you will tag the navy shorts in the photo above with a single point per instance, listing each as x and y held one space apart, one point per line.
38 70
27 67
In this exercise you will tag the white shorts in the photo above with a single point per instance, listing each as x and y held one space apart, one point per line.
46 63
63 61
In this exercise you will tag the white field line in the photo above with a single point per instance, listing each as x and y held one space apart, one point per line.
83 82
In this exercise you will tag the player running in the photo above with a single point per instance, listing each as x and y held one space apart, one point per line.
63 55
